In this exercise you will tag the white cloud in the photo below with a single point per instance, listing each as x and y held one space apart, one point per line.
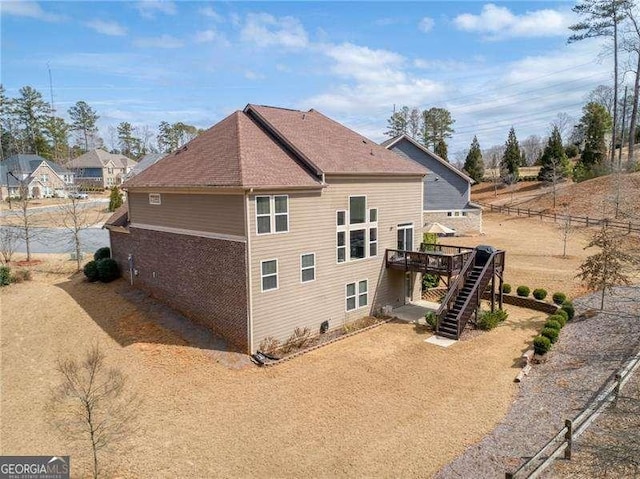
426 24
211 13
251 75
211 36
265 30
364 64
30 10
107 27
163 41
149 8
497 22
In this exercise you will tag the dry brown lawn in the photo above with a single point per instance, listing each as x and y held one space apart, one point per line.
380 404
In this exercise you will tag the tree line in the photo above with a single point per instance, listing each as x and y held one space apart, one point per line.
30 125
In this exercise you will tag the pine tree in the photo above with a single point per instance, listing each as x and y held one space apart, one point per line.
441 150
397 124
595 123
437 125
473 164
509 166
30 111
554 161
83 121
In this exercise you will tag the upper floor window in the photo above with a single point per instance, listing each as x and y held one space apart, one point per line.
110 171
272 214
357 209
359 238
44 178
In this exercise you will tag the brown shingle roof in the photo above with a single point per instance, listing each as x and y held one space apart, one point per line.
331 147
99 158
235 152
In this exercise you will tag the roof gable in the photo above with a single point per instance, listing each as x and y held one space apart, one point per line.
389 144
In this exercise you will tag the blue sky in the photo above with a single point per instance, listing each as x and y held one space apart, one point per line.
492 65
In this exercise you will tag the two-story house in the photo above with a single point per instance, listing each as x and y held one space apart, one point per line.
447 190
272 219
35 175
101 169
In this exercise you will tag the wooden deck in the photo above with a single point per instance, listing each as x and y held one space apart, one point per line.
443 260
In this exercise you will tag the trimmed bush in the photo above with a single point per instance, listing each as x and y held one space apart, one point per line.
102 253
541 344
90 270
506 288
432 319
562 313
539 293
523 291
550 333
567 306
558 318
107 270
552 324
559 298
5 275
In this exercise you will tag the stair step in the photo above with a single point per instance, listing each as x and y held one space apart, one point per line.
447 335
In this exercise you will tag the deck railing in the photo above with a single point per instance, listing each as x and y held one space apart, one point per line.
446 261
450 298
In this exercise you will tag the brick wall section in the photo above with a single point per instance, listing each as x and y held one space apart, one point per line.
470 224
203 278
529 303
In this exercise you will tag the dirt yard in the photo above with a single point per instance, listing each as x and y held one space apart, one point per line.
379 404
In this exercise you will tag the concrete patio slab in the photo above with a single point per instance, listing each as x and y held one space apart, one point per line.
414 312
440 341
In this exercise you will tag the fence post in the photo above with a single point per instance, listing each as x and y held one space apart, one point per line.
569 438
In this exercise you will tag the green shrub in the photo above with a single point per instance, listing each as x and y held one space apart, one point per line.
558 318
488 320
430 281
563 313
432 319
102 253
567 306
541 344
540 293
506 288
571 151
552 324
550 333
559 298
21 275
107 270
523 291
91 271
5 275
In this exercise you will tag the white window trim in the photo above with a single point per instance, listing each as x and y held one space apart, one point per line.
369 215
366 210
346 259
404 226
370 242
272 214
356 296
152 197
303 268
347 228
345 219
269 275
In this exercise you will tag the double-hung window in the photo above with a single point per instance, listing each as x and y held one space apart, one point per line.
307 267
269 274
272 214
357 295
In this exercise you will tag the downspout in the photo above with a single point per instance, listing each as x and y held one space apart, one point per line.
247 232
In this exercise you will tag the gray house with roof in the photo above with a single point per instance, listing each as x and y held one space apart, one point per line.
101 169
40 177
447 190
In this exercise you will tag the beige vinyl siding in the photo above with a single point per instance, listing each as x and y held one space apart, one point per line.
223 214
312 229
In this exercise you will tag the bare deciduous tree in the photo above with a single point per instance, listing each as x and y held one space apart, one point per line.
92 404
566 230
9 237
609 267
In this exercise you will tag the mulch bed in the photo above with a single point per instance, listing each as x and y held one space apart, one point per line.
589 352
33 262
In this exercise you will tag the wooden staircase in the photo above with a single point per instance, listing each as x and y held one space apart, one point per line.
465 294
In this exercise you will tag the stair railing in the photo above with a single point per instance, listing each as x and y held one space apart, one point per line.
454 289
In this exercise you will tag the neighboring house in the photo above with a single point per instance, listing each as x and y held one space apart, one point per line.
272 220
101 169
145 162
447 190
42 178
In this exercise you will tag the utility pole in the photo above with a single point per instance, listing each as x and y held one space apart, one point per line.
53 115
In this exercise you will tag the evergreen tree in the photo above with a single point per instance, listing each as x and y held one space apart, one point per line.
554 161
398 123
115 199
509 166
30 112
473 164
437 125
595 123
441 150
83 121
128 143
413 123
56 130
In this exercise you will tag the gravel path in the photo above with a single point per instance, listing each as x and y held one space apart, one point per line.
587 354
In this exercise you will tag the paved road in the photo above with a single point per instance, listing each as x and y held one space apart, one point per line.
82 204
60 240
